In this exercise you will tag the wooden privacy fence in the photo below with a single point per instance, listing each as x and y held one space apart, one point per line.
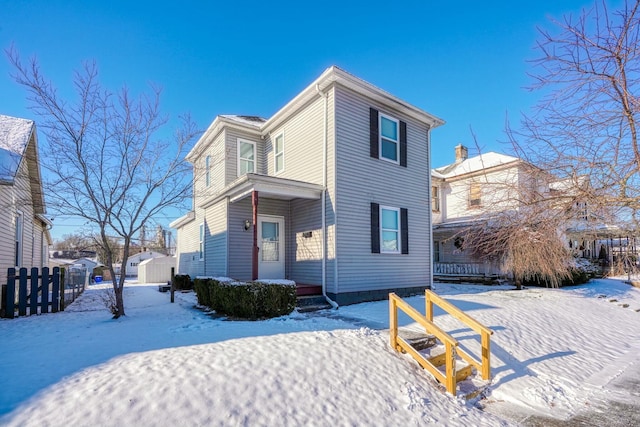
452 349
35 293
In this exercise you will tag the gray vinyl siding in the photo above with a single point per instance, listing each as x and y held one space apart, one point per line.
362 180
306 252
188 242
240 249
303 143
216 240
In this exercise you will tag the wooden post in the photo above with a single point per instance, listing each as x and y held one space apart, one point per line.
33 292
22 293
429 306
450 368
173 288
58 276
393 321
254 257
10 294
486 355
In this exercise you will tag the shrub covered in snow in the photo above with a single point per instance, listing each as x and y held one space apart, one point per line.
247 300
182 282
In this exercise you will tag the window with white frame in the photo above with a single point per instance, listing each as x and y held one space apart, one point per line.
278 148
246 157
201 247
389 229
436 251
389 138
435 198
475 195
207 171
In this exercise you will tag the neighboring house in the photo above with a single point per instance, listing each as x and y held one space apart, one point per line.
136 259
332 190
477 188
86 263
24 229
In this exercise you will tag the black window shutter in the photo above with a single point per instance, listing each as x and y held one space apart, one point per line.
373 133
403 144
375 228
404 230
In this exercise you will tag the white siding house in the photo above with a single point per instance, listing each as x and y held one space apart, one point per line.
24 228
332 190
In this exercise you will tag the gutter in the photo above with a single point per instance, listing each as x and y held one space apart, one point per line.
324 197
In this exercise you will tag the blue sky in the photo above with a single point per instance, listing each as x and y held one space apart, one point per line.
464 61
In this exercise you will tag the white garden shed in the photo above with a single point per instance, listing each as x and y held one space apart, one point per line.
156 270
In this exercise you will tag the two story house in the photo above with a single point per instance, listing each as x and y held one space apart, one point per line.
474 189
332 190
24 228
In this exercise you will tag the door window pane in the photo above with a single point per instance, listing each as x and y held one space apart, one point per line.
270 241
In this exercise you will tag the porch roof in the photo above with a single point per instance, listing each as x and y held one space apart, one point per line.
267 186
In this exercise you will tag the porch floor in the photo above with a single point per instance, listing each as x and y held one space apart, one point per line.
304 289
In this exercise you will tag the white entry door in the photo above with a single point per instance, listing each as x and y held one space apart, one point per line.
271 247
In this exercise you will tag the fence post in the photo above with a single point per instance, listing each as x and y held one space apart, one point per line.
44 305
33 293
58 277
55 290
10 294
173 288
22 293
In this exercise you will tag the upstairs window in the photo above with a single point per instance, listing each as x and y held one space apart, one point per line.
388 138
435 198
207 171
278 146
246 157
475 199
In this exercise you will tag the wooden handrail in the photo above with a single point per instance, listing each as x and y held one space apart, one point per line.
399 344
484 365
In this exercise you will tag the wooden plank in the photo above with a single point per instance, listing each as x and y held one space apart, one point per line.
469 359
44 303
33 292
10 296
439 376
47 281
393 320
457 313
429 326
450 369
22 292
486 356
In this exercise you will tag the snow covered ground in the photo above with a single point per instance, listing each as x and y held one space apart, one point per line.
567 354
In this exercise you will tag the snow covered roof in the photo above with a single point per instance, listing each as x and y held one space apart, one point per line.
474 164
253 121
14 138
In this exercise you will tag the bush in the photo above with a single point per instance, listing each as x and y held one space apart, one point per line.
246 300
182 282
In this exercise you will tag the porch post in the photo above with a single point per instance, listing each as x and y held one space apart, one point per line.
254 257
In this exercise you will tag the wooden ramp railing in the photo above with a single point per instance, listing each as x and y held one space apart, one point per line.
448 378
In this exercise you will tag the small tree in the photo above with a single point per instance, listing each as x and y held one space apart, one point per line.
107 160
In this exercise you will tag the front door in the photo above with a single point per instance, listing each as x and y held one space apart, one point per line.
270 247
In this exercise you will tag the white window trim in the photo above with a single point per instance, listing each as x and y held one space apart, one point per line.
398 230
397 141
276 154
201 244
435 198
472 187
255 155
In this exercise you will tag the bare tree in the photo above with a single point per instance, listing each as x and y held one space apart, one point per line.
108 160
586 124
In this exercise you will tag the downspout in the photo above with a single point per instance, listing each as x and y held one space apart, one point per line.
430 211
324 197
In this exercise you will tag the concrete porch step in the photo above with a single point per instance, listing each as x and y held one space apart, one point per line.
308 303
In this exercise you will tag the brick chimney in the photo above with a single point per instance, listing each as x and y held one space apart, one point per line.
462 153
